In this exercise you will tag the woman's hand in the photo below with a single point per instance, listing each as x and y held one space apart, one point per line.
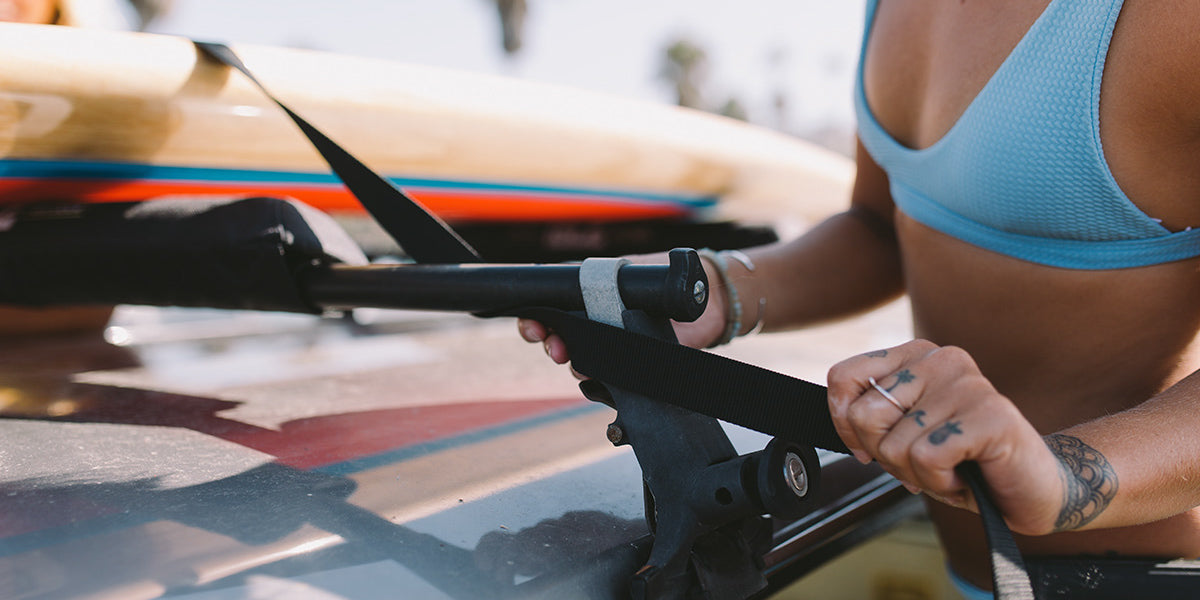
921 410
698 334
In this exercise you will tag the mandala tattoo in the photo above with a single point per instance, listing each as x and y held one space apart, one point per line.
938 436
1089 481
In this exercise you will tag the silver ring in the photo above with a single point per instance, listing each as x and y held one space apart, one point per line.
887 395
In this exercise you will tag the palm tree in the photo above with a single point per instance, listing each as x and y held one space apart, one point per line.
686 68
512 23
148 10
734 109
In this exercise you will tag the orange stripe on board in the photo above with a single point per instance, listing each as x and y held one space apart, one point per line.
451 205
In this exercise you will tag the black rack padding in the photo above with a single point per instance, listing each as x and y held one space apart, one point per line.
241 254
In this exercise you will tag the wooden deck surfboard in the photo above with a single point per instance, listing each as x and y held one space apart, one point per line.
112 116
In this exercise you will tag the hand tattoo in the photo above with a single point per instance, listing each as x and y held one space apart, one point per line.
1089 481
938 436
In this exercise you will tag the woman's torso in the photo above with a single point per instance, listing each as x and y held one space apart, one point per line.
1066 345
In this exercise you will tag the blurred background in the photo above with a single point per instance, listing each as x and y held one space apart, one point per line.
784 64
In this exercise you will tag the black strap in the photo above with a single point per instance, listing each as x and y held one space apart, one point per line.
753 397
705 383
1010 577
423 236
702 382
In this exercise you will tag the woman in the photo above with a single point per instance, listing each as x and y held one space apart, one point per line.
1028 173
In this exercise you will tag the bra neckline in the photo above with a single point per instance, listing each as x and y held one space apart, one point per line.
869 113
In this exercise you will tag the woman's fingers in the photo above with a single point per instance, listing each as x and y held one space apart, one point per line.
534 332
556 349
916 409
895 448
531 331
862 412
922 410
884 405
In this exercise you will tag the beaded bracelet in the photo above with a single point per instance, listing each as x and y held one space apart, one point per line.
733 304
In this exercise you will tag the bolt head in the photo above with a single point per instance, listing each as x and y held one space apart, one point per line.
699 292
615 434
795 474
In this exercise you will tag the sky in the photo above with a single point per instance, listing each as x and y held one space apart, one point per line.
756 48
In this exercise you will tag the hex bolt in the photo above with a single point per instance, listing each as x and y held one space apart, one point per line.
795 474
615 434
699 292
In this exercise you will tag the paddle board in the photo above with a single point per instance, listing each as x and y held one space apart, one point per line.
100 116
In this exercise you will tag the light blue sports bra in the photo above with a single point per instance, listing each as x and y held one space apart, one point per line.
1022 171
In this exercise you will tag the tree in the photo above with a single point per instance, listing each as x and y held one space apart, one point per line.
734 109
512 24
148 10
686 68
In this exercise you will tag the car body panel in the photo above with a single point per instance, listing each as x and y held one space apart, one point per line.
423 456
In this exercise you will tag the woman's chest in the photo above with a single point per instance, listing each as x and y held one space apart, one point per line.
928 63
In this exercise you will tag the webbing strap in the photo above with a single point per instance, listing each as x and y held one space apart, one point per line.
705 383
753 397
765 401
1010 578
423 236
702 382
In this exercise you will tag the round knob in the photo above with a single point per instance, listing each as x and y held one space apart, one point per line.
788 477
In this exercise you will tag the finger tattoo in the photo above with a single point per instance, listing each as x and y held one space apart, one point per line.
904 376
876 354
938 436
916 416
1089 481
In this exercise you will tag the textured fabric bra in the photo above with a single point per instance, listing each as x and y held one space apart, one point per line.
1022 171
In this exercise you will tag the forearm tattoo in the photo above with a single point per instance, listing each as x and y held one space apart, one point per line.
1089 481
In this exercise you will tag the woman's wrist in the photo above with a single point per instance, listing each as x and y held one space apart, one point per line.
736 307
